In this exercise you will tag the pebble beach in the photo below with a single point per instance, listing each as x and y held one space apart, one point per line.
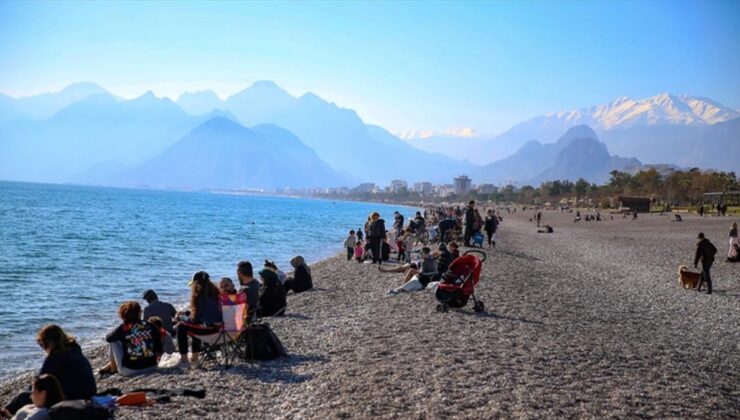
587 322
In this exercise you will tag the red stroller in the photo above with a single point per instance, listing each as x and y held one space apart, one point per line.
458 283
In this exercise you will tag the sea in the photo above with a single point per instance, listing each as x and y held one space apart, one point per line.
71 254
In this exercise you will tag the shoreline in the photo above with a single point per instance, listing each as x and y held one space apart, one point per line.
593 310
94 349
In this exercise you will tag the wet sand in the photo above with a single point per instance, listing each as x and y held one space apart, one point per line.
586 322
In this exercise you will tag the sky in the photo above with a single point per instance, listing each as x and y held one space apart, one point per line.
402 65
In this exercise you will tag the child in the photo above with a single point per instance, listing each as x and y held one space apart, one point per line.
359 250
349 244
168 344
45 393
454 249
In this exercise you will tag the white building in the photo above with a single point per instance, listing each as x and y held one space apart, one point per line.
397 185
424 188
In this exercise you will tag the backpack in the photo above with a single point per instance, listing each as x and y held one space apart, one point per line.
79 410
377 229
261 343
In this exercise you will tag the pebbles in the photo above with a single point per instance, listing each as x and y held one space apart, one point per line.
586 322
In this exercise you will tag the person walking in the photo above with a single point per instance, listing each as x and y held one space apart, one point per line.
733 241
705 252
539 218
490 226
375 235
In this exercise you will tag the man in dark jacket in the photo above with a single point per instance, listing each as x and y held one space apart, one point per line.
375 235
705 252
471 216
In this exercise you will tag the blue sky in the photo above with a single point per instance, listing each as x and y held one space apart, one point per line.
404 65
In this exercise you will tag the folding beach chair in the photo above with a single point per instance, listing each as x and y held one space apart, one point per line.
222 348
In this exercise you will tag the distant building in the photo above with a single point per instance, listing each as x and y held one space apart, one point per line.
424 188
487 188
365 187
398 185
463 184
444 191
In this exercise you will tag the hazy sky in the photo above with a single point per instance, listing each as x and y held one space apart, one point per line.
405 65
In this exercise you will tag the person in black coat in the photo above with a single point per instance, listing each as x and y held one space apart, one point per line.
705 252
66 362
301 280
272 295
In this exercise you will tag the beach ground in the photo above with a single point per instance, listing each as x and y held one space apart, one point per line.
586 322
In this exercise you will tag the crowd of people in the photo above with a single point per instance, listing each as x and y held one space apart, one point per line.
138 343
446 225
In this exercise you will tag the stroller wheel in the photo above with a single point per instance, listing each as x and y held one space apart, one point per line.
442 308
479 307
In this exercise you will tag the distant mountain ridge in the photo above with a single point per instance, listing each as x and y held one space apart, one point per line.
577 154
222 154
683 130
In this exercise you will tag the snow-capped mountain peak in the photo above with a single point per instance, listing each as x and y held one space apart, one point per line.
662 109
463 132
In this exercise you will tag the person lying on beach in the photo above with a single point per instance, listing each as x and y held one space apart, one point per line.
547 229
301 280
272 295
135 345
250 286
64 360
46 392
204 319
163 310
417 279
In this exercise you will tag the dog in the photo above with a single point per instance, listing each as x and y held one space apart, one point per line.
688 279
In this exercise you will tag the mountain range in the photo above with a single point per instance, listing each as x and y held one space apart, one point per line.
682 130
577 154
84 134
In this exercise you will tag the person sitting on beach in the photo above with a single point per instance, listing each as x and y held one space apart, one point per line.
204 317
46 392
226 286
163 310
444 259
135 345
359 251
454 249
168 344
272 295
349 244
64 360
301 280
385 250
251 287
282 277
445 226
677 218
418 279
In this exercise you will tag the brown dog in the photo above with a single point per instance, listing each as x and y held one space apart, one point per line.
688 279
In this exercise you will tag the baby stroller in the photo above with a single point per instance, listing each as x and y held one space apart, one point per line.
458 283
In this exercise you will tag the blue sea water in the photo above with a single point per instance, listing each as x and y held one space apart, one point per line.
70 255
